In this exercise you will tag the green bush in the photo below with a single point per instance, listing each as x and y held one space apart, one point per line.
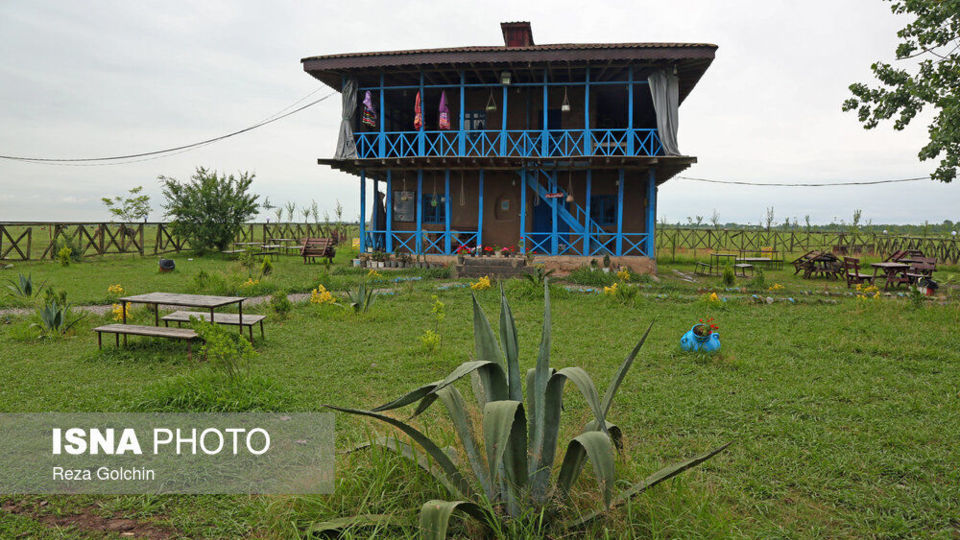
758 281
67 250
210 209
227 352
280 304
593 277
266 267
728 278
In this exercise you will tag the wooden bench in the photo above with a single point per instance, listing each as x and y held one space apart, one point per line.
232 319
233 251
702 269
150 331
317 247
742 267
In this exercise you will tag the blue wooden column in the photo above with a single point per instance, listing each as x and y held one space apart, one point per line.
589 220
553 209
587 143
523 211
462 135
446 212
620 183
651 213
382 146
544 134
421 136
630 136
419 210
363 210
480 210
389 240
375 213
503 124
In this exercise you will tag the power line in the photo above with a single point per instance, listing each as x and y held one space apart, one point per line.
821 184
168 151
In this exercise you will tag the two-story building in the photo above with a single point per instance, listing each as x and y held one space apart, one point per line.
553 149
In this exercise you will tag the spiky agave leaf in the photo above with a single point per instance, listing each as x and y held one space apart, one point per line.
662 475
341 525
461 485
435 517
593 445
406 451
508 339
505 439
541 377
457 408
622 373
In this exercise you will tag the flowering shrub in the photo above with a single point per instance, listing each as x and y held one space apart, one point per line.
321 296
115 290
775 287
373 274
623 275
250 282
118 312
611 290
867 292
711 299
481 284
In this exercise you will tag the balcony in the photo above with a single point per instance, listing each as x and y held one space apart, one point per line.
564 143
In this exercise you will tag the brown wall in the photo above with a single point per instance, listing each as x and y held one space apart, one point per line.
502 228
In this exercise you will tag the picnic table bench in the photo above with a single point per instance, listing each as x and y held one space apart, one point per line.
232 319
152 331
317 247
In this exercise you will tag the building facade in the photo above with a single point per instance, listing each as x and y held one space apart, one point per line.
555 150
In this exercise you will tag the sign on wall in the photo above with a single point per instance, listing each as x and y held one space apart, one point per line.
404 206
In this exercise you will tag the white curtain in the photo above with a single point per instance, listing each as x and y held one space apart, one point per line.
346 146
665 90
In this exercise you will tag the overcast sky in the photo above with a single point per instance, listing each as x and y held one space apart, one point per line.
94 78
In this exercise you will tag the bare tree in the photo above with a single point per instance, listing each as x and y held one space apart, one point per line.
768 219
715 219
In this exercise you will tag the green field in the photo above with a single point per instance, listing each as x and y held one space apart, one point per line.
844 413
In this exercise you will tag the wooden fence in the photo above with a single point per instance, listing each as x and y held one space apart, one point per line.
39 240
669 240
42 240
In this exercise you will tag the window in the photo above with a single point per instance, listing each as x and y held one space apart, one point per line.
473 120
433 214
603 209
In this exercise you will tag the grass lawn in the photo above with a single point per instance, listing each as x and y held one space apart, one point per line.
844 413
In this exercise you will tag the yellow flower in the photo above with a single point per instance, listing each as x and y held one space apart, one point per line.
611 290
115 290
118 312
775 287
321 295
714 297
373 274
251 282
623 275
481 284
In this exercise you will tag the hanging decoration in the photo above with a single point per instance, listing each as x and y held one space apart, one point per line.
463 198
570 186
491 103
433 199
369 113
444 121
565 106
417 114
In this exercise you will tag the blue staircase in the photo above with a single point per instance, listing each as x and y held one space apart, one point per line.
578 220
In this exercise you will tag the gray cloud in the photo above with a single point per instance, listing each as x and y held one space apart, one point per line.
96 78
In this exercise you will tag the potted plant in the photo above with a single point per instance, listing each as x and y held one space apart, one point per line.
461 253
703 336
507 251
487 251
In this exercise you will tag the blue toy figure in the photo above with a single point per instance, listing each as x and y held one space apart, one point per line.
692 341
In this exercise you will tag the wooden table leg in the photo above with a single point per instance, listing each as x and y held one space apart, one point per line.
156 314
123 308
240 318
100 340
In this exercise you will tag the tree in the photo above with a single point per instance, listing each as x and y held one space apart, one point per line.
934 38
768 219
134 207
210 209
715 219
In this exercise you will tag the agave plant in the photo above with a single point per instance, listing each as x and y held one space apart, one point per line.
539 275
513 473
362 298
24 287
54 317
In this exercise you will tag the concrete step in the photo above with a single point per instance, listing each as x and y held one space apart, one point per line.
494 261
499 271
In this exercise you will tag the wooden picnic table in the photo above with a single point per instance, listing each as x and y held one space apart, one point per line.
181 300
892 271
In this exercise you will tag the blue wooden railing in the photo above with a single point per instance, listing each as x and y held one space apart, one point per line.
509 143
